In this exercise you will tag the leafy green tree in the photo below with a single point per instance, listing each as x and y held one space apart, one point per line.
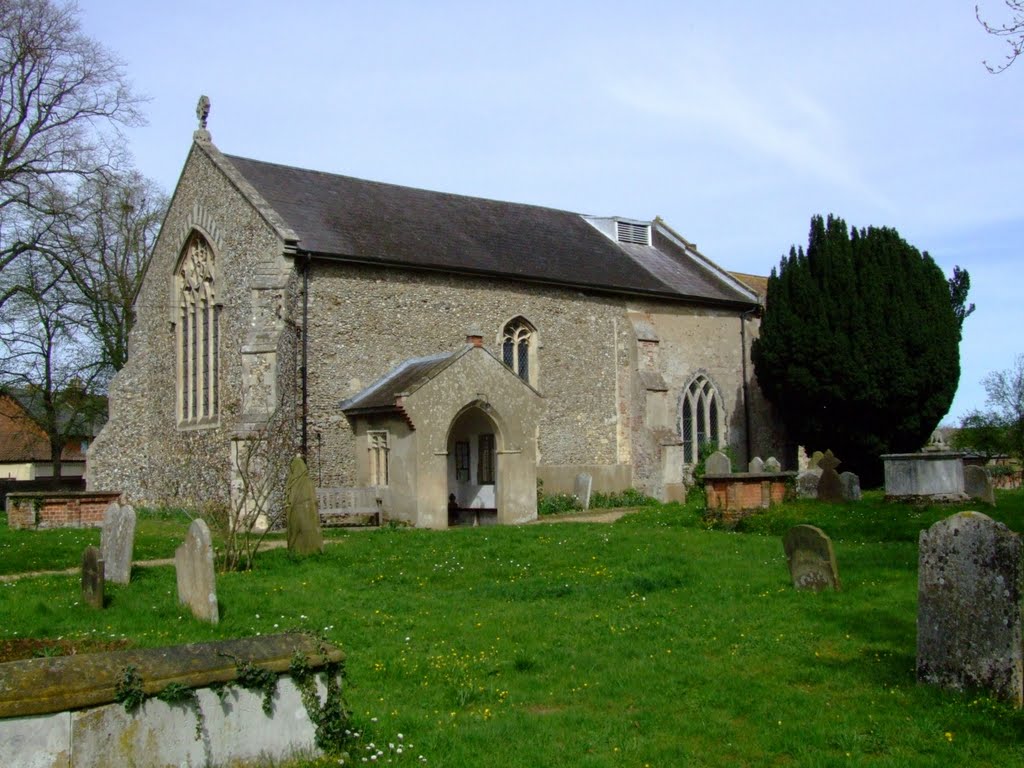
1000 428
859 346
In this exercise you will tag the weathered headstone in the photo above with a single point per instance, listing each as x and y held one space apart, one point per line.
92 577
811 559
829 487
771 464
756 466
807 484
117 542
584 483
197 585
718 464
969 624
850 485
816 458
303 516
978 484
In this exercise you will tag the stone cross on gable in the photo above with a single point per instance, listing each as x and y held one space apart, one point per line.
202 113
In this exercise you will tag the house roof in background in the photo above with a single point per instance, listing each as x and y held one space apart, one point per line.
370 222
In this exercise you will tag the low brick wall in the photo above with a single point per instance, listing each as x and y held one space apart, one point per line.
64 711
58 510
739 494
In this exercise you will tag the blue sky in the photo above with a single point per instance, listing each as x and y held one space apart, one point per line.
733 121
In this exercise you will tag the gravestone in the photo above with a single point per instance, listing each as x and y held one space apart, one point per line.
807 484
117 542
303 516
978 484
969 624
771 464
829 487
811 559
816 458
756 466
584 483
193 562
717 464
850 485
92 577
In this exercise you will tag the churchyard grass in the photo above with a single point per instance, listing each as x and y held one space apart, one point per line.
650 642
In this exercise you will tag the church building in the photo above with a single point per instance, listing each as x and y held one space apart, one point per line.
448 351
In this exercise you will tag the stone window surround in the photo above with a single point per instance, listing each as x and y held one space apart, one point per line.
378 450
700 402
515 334
197 386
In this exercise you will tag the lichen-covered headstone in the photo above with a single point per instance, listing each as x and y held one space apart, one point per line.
583 485
969 584
816 458
92 577
197 582
117 542
829 487
807 484
756 466
771 464
717 464
849 482
303 515
811 559
978 484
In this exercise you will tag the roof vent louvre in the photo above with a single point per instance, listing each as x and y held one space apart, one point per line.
631 232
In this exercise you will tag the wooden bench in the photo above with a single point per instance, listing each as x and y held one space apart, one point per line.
350 507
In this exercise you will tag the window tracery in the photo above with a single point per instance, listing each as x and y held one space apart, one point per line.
702 417
198 334
519 349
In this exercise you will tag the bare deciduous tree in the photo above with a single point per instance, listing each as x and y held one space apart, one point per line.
104 244
1000 427
63 100
44 361
1011 31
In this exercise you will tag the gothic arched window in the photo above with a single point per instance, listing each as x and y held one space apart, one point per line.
198 334
519 349
702 417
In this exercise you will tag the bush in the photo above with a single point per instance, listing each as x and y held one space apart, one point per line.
630 497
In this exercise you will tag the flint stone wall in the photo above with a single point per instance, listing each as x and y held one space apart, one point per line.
612 392
142 451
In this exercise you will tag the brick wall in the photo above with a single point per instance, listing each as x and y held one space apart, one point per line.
741 494
58 510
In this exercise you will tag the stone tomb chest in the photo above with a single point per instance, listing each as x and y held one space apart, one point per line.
935 476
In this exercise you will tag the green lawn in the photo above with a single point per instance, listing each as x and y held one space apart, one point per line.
650 642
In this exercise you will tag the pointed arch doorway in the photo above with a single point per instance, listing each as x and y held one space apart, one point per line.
473 468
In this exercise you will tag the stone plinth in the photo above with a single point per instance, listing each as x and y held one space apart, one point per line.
934 476
49 704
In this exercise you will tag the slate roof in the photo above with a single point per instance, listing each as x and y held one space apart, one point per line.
404 379
371 222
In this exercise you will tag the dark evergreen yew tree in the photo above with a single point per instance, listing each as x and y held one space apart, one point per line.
859 347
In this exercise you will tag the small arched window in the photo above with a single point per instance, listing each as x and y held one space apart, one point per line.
702 417
198 334
519 349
